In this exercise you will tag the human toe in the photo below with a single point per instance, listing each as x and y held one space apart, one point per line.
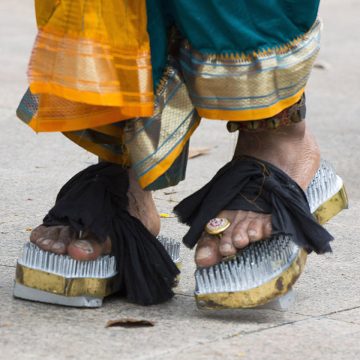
267 227
226 246
84 250
255 230
58 247
40 232
240 236
45 243
207 252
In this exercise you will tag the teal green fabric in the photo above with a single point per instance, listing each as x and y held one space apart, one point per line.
174 174
227 26
159 24
222 27
237 26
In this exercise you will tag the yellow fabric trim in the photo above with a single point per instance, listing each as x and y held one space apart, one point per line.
77 123
56 113
253 114
71 124
165 164
91 98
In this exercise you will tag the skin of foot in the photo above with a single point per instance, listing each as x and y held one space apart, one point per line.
294 150
64 240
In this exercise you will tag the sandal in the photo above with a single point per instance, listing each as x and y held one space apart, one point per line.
142 268
264 270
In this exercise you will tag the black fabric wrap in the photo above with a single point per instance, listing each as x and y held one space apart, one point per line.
250 184
96 200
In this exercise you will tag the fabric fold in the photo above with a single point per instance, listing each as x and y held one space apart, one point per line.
251 184
90 55
96 200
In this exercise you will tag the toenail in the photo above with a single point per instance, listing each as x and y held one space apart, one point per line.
44 241
58 246
238 238
204 253
226 248
252 233
84 245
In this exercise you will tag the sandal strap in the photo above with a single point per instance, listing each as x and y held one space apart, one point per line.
251 184
96 200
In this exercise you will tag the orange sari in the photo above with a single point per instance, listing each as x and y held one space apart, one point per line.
91 64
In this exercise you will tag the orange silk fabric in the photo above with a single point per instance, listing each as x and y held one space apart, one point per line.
90 64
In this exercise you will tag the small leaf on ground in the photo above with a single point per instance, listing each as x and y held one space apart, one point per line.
195 152
129 323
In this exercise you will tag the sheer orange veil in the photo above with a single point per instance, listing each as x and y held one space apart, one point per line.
90 64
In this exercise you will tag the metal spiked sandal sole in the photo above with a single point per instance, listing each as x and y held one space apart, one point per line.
58 279
267 270
142 268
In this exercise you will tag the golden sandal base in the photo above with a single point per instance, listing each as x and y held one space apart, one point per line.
281 284
38 285
332 207
56 284
56 279
258 296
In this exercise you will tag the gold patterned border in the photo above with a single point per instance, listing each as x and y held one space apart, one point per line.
250 87
155 143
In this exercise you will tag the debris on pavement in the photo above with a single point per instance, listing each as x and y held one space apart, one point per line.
322 65
129 323
167 216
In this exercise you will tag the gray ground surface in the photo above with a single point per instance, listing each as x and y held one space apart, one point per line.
324 322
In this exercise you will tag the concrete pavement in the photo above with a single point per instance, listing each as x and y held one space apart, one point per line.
324 322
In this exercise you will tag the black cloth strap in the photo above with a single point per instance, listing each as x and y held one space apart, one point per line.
251 184
96 200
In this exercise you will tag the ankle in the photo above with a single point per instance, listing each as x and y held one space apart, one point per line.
270 139
292 148
142 206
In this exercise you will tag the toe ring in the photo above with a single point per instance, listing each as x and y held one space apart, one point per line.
217 226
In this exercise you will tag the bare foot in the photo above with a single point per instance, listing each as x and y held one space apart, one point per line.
294 150
64 240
